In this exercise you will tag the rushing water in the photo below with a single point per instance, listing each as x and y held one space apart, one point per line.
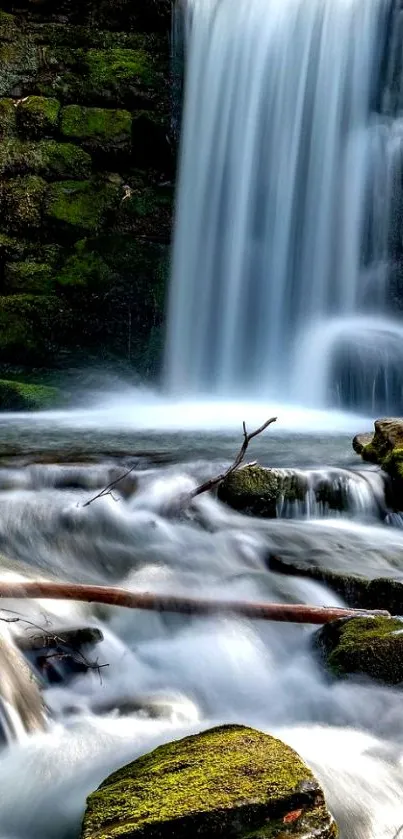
169 674
290 168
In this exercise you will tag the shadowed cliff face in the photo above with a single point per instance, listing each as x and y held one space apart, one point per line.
86 170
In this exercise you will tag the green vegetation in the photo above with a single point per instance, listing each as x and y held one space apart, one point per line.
28 277
116 69
21 202
81 205
19 396
7 118
48 158
226 781
101 127
367 646
38 116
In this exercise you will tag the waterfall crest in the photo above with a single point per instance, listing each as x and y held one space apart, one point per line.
289 163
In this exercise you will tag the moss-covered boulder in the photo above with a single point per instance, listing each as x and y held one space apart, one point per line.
28 277
102 129
20 396
21 203
385 448
52 160
80 205
38 116
230 781
365 646
8 124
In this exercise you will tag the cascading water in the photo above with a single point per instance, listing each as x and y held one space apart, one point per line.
289 165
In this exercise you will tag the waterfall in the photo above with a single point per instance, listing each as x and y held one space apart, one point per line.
287 193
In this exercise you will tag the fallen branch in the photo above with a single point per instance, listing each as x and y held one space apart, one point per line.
207 485
182 605
213 482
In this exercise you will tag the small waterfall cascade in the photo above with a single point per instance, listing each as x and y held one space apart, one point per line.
287 244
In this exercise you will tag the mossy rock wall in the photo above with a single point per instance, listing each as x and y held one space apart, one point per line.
86 174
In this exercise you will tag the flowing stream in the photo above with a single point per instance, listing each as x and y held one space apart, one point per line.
169 674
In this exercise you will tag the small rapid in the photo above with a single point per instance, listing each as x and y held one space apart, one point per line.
158 676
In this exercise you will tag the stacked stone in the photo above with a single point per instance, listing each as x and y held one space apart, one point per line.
85 180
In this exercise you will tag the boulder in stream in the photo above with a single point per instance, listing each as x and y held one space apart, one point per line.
365 646
385 448
230 781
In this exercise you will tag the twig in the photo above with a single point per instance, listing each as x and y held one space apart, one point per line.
181 605
108 489
207 485
213 482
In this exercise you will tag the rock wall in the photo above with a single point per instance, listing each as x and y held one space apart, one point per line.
86 180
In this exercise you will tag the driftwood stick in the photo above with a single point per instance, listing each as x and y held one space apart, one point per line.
182 605
213 482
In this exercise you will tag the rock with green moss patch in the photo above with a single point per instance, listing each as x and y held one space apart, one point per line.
48 158
20 396
21 202
8 122
364 646
121 75
228 781
385 448
9 29
28 278
38 116
31 327
85 268
80 205
97 128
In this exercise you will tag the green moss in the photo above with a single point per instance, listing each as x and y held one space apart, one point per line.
7 118
100 127
38 116
81 205
116 67
21 202
253 490
19 63
84 268
48 158
28 278
9 29
367 646
19 396
29 328
17 249
227 781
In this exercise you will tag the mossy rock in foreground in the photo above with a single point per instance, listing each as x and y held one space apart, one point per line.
229 781
18 396
367 646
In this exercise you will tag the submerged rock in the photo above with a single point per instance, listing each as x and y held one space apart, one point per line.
385 448
229 781
365 646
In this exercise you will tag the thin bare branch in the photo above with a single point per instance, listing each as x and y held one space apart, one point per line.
213 482
108 489
207 485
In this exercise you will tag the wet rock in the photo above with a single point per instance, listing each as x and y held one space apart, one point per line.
228 781
60 656
365 646
19 692
357 591
385 448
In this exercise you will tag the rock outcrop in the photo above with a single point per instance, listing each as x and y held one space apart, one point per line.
230 781
86 171
367 646
385 448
